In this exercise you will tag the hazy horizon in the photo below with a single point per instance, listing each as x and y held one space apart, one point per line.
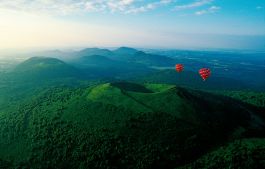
182 24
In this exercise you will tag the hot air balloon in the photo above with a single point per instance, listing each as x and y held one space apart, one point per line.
205 73
179 67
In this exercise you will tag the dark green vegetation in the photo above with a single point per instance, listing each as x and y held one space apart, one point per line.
254 98
246 153
81 113
123 125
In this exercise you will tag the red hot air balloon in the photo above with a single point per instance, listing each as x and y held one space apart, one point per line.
179 67
205 73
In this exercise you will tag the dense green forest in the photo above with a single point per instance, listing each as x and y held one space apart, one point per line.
117 109
123 125
254 98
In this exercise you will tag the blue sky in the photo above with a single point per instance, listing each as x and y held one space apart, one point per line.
238 24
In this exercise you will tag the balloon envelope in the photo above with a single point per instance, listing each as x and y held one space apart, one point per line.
205 73
179 67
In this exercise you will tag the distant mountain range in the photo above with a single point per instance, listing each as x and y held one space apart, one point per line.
122 54
123 64
133 65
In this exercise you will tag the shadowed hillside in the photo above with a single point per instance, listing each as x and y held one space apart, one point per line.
122 125
246 153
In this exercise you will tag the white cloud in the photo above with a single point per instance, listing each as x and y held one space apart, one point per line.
149 6
212 9
59 7
121 5
69 7
195 4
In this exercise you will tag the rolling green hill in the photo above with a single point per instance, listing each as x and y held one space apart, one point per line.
121 125
38 63
34 74
44 68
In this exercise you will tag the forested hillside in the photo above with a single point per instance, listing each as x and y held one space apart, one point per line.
122 125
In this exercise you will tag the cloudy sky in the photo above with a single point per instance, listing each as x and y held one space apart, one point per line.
238 24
